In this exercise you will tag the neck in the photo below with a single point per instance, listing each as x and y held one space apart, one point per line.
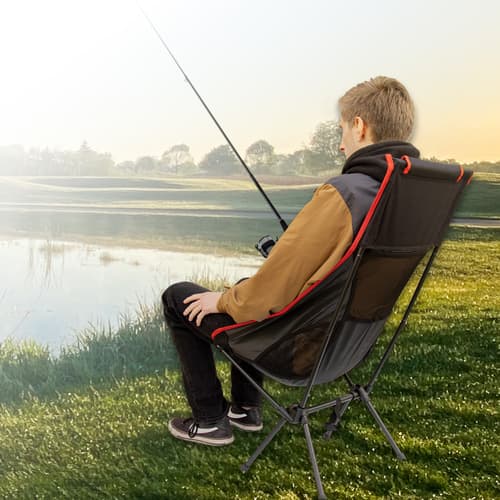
363 144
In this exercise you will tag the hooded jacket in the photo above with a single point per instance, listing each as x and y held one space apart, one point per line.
317 238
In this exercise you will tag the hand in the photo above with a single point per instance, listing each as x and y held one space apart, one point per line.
201 304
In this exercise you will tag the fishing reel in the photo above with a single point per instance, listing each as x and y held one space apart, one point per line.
265 245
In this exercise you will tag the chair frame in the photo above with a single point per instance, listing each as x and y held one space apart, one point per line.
298 414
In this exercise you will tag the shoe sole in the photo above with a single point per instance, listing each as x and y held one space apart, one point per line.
248 428
199 439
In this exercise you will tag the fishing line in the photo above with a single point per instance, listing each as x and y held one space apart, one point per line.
235 151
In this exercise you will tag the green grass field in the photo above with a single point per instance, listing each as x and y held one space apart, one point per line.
184 193
480 200
92 423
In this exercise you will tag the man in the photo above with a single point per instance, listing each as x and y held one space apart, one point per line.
377 116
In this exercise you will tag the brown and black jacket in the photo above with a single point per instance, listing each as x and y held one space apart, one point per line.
317 238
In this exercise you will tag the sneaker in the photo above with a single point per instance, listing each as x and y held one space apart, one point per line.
188 429
246 419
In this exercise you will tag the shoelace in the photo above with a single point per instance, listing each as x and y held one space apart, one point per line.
193 428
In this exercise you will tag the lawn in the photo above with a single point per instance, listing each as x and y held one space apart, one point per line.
480 200
92 423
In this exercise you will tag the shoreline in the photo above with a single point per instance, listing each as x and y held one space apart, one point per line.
191 246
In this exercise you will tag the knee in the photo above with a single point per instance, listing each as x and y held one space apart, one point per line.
166 296
173 295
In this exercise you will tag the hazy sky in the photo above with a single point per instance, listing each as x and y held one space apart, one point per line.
93 70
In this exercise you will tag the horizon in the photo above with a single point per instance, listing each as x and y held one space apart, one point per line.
96 72
157 157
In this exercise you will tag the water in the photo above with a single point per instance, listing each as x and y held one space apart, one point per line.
50 290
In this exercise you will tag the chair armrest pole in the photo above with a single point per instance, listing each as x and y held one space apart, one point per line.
331 327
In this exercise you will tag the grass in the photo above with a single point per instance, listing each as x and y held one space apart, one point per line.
92 423
236 194
107 258
28 371
482 198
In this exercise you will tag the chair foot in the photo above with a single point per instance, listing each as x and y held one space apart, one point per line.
312 458
366 400
246 466
330 429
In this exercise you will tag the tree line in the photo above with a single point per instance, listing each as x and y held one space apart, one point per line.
320 157
15 160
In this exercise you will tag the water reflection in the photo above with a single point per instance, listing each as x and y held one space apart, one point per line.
156 230
51 289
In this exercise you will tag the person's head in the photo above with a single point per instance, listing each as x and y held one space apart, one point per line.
379 109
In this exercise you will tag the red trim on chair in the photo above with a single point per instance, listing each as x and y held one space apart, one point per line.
459 178
406 158
350 251
470 178
230 327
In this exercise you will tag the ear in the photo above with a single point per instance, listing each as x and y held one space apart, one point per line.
360 128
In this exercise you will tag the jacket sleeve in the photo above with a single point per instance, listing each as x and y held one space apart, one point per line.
319 234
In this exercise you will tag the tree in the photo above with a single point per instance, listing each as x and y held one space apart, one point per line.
220 161
260 156
145 164
13 160
86 161
50 163
325 144
298 161
484 166
176 157
303 162
126 167
283 165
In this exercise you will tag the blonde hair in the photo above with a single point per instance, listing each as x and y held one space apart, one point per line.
384 104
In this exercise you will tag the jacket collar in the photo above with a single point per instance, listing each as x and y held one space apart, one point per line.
370 160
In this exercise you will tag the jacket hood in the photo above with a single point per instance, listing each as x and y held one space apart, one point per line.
370 160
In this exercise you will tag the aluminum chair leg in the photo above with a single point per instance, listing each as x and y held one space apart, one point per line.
363 395
333 424
312 458
263 445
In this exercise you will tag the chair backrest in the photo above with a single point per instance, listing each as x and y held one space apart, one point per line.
333 326
411 218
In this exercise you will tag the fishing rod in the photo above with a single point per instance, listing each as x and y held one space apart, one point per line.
263 242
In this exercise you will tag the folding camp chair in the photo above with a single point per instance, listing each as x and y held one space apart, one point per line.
332 327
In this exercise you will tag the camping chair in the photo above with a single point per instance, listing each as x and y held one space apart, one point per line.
332 327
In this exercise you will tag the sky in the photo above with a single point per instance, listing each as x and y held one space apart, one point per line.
93 70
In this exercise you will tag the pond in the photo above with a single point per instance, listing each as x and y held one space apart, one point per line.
52 289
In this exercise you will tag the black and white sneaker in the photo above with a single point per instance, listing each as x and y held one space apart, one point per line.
188 429
247 419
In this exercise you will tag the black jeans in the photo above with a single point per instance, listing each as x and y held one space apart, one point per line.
194 347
